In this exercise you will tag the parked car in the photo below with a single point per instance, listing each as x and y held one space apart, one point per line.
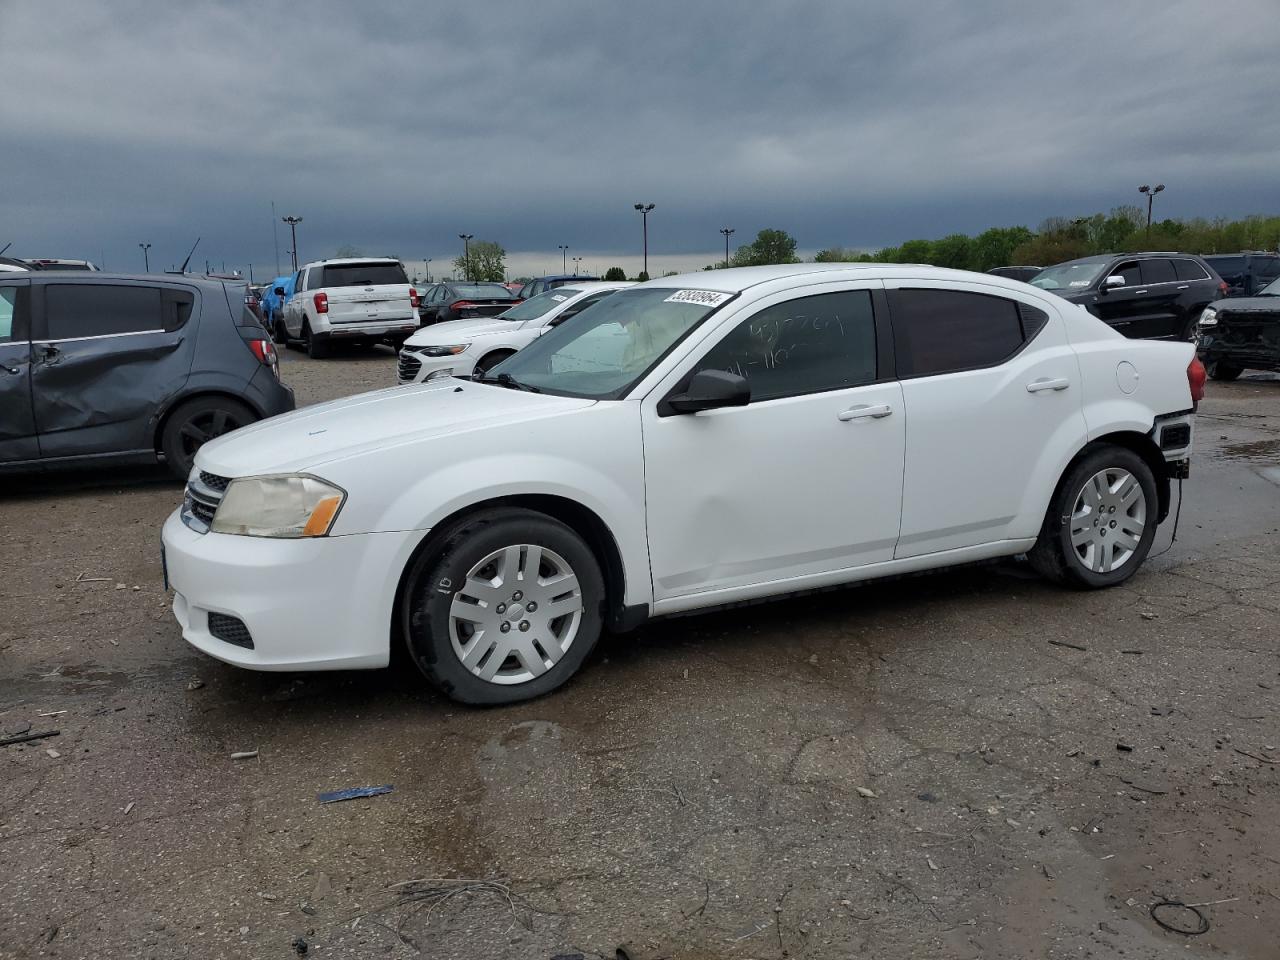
352 300
1154 296
455 300
1244 273
109 367
1242 333
13 265
543 284
273 304
460 348
689 442
1025 274
55 263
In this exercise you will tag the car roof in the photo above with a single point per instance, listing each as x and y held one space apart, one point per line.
342 260
563 276
100 276
592 285
738 279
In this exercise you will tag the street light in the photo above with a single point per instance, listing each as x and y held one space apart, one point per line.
576 261
1151 195
644 209
564 252
466 239
728 232
146 260
293 235
428 265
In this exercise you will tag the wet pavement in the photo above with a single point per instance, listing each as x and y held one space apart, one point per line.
965 764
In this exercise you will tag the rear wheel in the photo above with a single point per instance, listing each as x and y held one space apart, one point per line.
280 333
317 349
491 360
1102 521
1221 370
195 423
506 607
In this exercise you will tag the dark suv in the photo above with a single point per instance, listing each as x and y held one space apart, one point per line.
1152 296
101 367
1241 333
1244 273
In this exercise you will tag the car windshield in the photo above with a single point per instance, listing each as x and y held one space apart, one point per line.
1069 276
540 305
363 274
605 350
481 291
1272 289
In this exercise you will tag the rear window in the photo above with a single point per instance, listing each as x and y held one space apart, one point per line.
939 331
1158 271
363 274
1189 270
1266 268
1227 266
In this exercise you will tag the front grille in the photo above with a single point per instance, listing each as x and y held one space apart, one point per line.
214 482
230 630
204 493
409 366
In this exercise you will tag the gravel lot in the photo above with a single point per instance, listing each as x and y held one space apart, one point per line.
965 764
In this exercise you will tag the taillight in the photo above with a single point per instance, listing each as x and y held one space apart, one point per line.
1223 288
265 351
321 300
1195 380
459 304
413 298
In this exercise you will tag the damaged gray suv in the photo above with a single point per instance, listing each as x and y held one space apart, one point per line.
105 368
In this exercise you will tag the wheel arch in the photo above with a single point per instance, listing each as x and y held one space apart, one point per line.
1140 444
162 416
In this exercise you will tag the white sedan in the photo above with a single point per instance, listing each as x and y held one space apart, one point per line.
460 348
690 442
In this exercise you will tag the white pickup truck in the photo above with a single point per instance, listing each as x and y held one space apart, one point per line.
354 300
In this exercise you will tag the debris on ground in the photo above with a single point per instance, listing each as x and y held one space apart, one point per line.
244 755
194 684
353 793
53 754
1070 646
129 806
24 737
1177 908
22 726
299 946
865 792
1124 748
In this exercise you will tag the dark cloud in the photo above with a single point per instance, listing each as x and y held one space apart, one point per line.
394 126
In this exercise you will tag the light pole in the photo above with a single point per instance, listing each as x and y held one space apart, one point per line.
727 231
293 236
146 260
466 239
428 269
1151 195
564 253
576 261
644 209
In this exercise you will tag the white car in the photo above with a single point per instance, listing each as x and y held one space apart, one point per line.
351 300
460 348
690 442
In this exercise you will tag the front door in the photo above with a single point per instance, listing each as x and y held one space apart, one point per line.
17 420
804 481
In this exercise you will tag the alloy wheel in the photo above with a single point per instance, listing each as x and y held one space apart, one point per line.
1108 520
203 427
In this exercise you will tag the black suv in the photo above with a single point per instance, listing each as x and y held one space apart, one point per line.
101 367
1241 333
1244 273
1152 296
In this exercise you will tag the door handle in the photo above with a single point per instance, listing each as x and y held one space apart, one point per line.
14 370
1184 286
1139 291
864 411
1048 383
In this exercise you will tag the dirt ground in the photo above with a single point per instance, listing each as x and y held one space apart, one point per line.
965 764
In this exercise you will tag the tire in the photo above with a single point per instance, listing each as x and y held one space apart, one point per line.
1128 518
491 360
1221 370
281 333
485 557
316 349
196 422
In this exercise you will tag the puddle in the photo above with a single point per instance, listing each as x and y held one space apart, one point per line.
1252 450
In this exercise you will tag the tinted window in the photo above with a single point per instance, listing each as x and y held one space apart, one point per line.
13 313
1227 267
826 342
1266 268
936 331
359 274
481 291
177 307
1131 272
1189 270
1158 271
1033 321
93 310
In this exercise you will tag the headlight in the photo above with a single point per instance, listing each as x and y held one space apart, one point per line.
288 506
1209 318
450 351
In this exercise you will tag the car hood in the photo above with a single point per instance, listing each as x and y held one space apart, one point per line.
308 438
454 331
1248 305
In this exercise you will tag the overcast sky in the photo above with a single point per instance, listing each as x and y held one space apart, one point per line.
395 126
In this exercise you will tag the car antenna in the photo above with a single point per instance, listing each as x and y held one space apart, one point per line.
183 268
5 247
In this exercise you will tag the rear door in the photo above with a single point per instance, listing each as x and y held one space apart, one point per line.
376 291
17 419
1163 313
105 357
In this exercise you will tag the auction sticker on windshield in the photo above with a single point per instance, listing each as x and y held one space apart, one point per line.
705 298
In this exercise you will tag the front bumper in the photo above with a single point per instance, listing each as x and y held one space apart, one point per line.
312 604
415 367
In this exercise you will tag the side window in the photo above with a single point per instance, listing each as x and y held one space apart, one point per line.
941 331
1131 272
578 307
177 307
14 311
313 278
97 310
297 282
1158 271
809 345
1189 270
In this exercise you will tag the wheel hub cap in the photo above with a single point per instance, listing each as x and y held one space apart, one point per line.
516 614
1108 519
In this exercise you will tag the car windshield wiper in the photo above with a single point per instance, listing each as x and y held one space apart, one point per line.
510 382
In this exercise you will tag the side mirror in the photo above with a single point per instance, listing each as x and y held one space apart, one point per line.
1115 280
710 390
279 291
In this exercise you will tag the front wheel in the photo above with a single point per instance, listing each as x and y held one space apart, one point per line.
1102 521
505 608
195 423
491 360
